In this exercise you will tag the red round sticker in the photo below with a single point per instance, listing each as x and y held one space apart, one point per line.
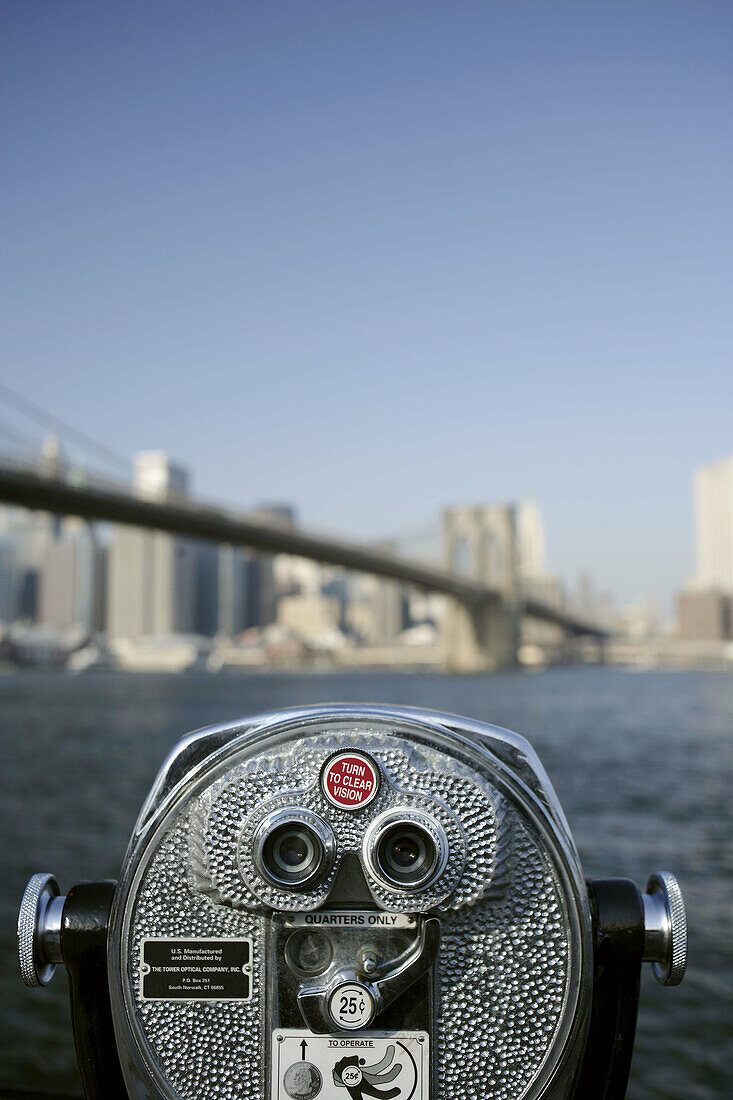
350 780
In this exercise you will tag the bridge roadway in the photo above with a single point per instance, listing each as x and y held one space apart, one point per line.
27 488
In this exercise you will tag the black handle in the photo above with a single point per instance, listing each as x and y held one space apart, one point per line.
84 948
618 949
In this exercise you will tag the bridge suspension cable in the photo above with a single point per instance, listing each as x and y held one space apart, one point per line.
49 421
427 532
17 439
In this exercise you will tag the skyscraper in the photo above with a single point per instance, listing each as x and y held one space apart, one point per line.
152 575
27 536
7 580
72 579
261 589
531 552
233 584
706 607
714 525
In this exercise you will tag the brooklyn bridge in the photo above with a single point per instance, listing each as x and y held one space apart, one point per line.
486 604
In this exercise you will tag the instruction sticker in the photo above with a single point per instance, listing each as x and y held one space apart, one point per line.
391 1066
350 780
196 970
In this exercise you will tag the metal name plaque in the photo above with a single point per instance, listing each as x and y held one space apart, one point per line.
196 970
333 1067
345 918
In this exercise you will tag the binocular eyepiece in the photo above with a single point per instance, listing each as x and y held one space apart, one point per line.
294 848
353 902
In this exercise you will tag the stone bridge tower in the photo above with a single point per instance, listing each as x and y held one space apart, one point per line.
481 545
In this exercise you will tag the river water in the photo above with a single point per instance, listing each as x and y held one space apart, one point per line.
642 763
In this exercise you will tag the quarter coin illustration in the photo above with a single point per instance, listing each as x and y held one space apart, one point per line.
302 1081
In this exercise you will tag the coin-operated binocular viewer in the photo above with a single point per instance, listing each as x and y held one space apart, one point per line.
349 902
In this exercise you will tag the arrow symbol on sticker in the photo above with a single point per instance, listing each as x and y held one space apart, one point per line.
303 1045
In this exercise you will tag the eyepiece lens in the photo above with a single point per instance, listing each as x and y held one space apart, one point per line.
292 855
292 850
404 852
407 855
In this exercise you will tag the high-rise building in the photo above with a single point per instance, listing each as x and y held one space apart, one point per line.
151 584
534 577
705 608
27 534
71 590
156 476
714 526
206 595
232 592
531 552
261 587
152 575
7 580
260 593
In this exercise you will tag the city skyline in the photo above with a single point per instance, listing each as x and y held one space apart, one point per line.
378 263
172 595
150 575
154 473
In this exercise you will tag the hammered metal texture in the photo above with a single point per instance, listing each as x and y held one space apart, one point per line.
207 1051
226 818
502 973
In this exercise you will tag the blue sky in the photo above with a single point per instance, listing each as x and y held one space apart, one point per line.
378 257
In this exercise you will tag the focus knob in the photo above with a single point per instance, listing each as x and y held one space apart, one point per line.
39 930
665 928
